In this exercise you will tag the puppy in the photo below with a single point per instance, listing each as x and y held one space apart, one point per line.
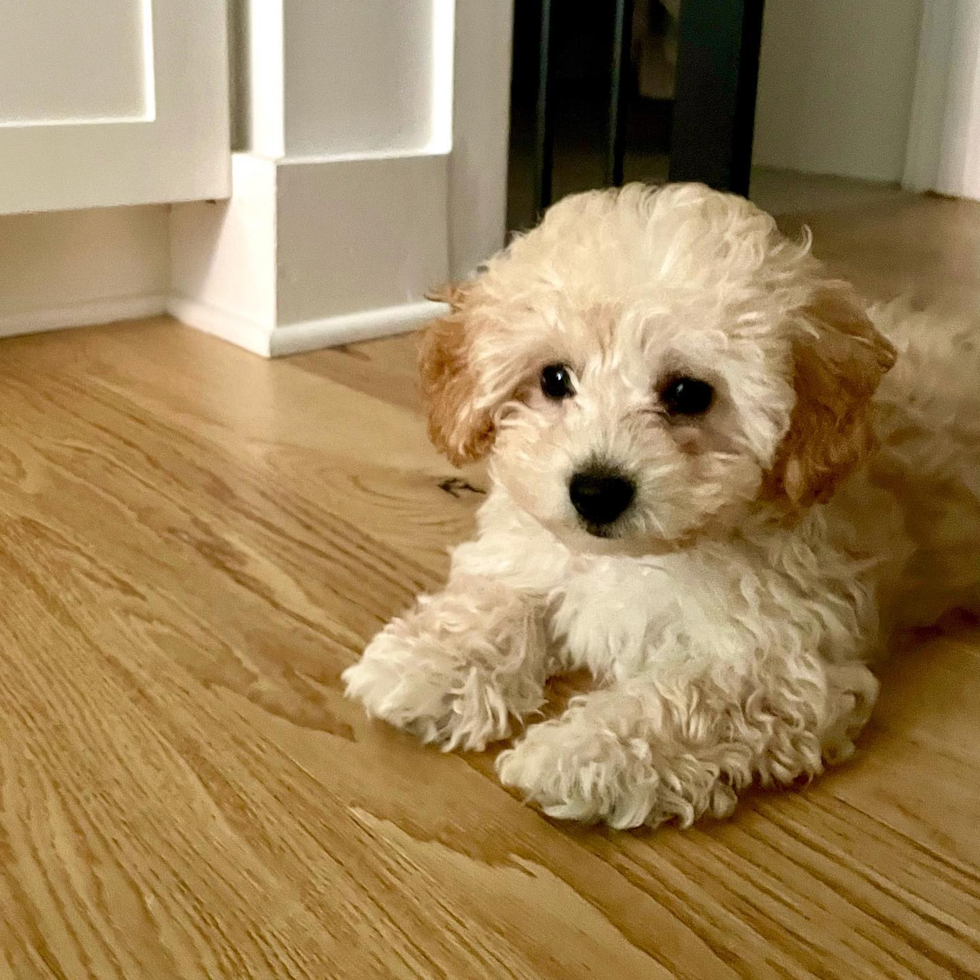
710 488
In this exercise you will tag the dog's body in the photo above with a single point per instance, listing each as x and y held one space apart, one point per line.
704 372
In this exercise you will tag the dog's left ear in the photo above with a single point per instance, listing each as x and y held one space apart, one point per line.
839 360
458 425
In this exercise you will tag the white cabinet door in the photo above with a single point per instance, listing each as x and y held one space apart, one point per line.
106 102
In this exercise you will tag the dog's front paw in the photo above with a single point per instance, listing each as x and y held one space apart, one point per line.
576 772
577 775
449 681
453 710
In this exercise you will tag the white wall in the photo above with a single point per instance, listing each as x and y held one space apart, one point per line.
66 268
944 136
836 79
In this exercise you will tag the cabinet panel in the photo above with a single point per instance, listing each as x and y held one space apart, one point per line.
112 102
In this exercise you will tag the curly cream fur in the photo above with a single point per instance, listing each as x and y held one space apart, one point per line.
769 552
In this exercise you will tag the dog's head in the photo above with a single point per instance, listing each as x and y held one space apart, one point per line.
647 364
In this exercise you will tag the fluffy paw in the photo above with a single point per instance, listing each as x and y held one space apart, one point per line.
463 710
576 772
851 694
456 671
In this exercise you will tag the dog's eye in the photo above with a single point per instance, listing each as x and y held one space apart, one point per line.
556 381
686 396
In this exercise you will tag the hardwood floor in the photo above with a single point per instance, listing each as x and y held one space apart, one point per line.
195 542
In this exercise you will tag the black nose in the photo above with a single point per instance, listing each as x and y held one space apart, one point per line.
600 496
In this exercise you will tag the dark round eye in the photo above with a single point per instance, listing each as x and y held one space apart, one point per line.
556 381
686 396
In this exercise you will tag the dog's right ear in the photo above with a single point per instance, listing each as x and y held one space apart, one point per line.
839 362
459 426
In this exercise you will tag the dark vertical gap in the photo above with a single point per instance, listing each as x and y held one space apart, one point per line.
619 90
544 113
607 91
714 100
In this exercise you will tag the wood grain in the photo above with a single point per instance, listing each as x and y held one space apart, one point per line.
195 542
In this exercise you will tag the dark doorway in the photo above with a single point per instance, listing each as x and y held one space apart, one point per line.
610 90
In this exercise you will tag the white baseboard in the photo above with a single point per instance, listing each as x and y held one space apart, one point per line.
232 327
306 336
351 327
81 314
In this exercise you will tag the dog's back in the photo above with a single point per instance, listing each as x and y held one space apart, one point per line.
929 458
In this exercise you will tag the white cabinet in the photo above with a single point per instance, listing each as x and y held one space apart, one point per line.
108 102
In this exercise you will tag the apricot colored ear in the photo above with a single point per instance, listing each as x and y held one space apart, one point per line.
459 428
838 364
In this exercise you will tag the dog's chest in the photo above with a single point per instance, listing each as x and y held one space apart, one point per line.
621 616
